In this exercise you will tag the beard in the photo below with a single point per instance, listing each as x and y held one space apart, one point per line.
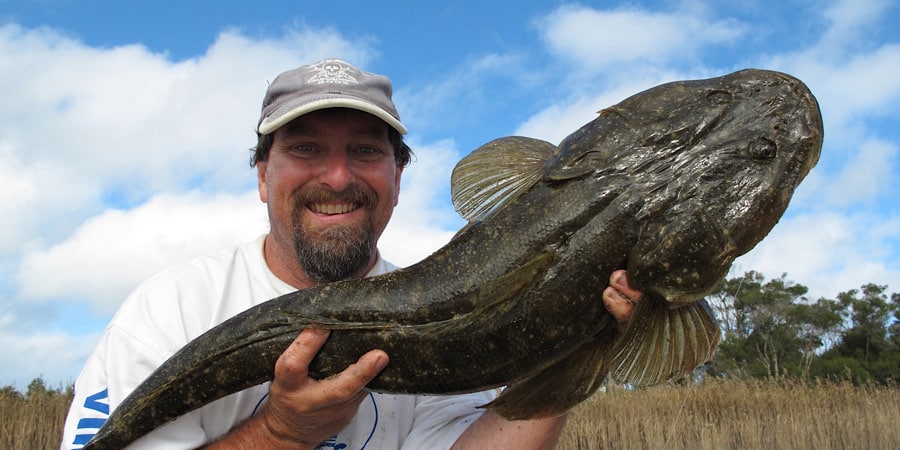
338 252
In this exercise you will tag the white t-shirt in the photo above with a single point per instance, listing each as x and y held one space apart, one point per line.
179 304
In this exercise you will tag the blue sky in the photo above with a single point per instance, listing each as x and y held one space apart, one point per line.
124 128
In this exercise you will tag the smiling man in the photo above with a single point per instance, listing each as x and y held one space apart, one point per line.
330 182
329 160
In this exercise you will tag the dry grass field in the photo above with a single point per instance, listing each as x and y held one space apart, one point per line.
734 414
34 421
718 414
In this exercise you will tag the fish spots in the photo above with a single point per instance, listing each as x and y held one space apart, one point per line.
688 278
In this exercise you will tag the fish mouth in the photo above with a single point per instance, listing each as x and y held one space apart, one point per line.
812 129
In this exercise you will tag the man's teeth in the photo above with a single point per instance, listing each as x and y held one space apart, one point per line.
332 209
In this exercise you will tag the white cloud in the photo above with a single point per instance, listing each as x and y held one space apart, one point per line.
850 89
598 39
866 176
38 198
108 255
826 252
851 18
465 92
827 240
424 219
561 119
78 123
55 357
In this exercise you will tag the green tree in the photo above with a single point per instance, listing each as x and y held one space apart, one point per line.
37 388
770 328
870 339
819 325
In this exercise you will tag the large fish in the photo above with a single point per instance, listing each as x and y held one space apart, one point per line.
671 184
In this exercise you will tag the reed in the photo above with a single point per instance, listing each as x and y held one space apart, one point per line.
755 414
33 421
717 414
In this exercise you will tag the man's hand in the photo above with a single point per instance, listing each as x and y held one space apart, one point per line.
301 412
620 299
306 411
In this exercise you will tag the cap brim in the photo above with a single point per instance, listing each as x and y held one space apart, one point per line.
270 124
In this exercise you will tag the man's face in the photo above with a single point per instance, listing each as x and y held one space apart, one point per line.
331 183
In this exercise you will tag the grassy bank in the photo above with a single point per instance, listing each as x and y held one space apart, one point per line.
730 414
719 414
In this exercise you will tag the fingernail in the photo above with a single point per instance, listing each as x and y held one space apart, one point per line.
381 361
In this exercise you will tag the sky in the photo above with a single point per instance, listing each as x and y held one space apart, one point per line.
125 128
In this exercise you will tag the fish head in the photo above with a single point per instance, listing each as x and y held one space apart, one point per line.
744 170
712 196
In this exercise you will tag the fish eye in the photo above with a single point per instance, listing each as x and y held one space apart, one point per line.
762 149
718 97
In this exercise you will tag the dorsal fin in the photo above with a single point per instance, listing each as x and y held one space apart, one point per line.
495 173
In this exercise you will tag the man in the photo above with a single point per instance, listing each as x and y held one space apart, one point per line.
329 160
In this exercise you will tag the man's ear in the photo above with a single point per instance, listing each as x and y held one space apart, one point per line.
397 185
261 180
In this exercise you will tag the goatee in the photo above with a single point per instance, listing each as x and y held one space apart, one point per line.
338 252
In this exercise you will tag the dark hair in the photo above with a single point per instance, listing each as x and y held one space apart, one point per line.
402 153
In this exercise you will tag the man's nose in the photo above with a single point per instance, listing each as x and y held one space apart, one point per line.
337 171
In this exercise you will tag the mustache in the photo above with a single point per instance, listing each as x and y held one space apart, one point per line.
356 194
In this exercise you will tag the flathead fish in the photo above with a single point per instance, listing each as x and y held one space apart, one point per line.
671 184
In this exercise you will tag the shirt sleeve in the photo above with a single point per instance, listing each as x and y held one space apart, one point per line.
120 362
441 420
90 405
102 385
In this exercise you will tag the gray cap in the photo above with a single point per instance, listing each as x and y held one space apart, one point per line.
331 83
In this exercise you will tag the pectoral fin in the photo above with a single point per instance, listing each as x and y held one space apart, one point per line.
495 173
559 387
661 344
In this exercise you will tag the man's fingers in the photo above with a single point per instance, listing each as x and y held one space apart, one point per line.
368 366
619 299
291 369
302 409
617 304
351 383
619 280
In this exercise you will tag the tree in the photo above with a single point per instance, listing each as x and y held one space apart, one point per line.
871 338
770 328
819 326
764 338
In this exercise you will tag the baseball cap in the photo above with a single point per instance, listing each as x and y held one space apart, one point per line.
330 83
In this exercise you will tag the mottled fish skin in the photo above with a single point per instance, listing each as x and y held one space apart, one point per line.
671 184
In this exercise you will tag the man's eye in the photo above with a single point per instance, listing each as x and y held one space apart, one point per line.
369 153
302 149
